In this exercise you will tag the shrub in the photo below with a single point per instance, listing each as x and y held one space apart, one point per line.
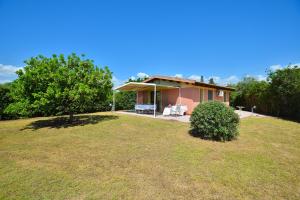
214 120
125 100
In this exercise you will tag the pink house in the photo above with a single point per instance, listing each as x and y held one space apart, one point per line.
176 91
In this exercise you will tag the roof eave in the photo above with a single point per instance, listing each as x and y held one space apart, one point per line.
174 79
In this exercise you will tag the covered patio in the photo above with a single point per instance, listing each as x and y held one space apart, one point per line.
155 100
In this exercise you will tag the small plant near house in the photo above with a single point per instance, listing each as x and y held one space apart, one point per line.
214 120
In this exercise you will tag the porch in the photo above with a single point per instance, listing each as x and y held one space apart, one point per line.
152 98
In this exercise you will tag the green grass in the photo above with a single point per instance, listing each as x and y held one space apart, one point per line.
107 156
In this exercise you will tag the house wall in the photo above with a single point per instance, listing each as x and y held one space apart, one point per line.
169 96
190 96
143 97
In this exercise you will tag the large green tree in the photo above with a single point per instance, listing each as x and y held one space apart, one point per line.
59 85
285 92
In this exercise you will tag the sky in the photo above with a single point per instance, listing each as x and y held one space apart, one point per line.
224 39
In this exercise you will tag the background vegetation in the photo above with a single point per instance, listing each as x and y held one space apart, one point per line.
279 95
127 100
5 99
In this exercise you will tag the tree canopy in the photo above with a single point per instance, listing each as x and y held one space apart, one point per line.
279 95
285 92
211 81
59 85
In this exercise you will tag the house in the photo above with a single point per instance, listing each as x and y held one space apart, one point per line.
162 91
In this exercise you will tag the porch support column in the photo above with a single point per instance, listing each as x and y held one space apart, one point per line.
154 113
114 102
179 95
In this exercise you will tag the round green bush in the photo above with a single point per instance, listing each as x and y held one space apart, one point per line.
214 120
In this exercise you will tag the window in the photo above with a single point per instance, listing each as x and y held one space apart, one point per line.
201 95
210 95
220 93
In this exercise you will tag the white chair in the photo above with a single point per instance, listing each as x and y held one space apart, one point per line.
178 110
183 109
167 111
175 110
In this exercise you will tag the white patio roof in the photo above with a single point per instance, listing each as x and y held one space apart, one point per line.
138 86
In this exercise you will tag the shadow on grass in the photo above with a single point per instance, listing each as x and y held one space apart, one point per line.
196 134
63 122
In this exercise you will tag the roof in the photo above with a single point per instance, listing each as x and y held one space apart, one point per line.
169 78
187 81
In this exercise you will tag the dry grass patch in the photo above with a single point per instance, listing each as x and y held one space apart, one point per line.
108 156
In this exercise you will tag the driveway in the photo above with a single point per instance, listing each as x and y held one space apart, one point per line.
244 114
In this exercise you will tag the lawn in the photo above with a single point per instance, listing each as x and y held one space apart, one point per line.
111 156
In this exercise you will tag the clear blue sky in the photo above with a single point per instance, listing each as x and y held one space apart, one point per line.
211 38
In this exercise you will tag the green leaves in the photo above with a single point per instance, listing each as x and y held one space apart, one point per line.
278 96
285 90
5 99
214 120
57 85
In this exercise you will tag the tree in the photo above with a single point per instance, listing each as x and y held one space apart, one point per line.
139 79
278 96
125 100
251 92
211 81
59 85
5 99
202 79
285 92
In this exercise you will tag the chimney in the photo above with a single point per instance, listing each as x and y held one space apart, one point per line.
202 79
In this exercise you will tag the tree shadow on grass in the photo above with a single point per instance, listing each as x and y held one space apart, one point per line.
63 122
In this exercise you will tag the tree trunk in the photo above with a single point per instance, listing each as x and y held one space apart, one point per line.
71 117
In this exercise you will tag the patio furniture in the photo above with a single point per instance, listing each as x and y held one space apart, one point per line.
144 108
167 111
183 109
252 109
240 108
178 110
